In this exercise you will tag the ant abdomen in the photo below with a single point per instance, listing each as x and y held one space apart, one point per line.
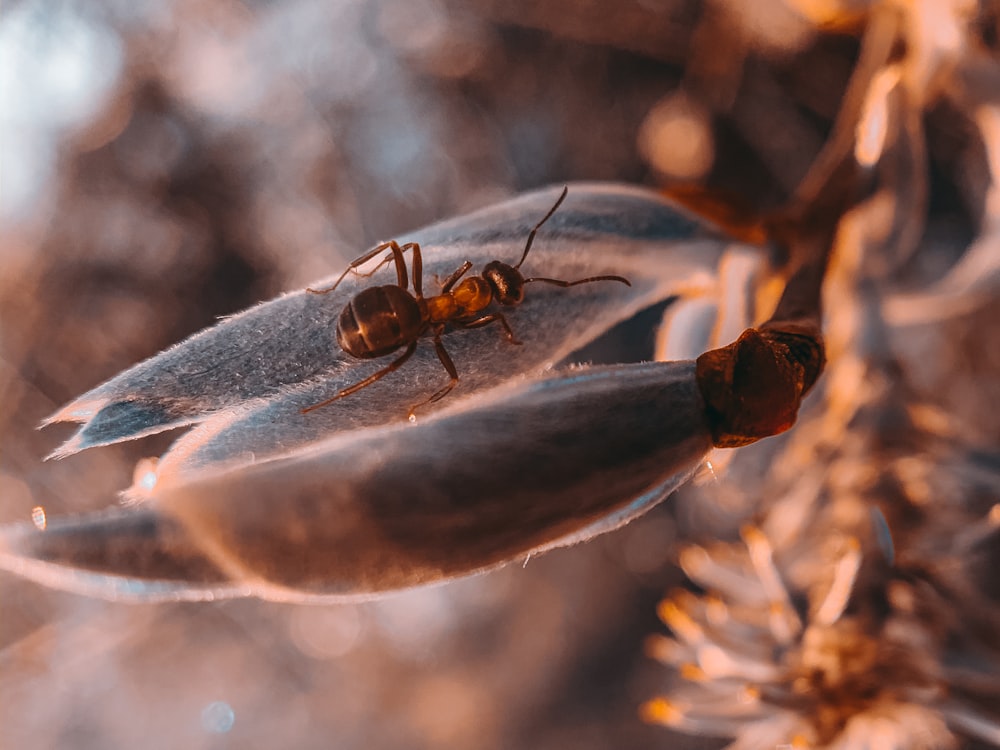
377 321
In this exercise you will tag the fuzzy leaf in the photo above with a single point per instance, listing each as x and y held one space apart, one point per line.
255 371
525 468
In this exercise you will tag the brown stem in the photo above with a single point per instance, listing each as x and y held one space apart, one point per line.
753 388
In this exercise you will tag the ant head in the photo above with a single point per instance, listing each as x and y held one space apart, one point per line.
506 282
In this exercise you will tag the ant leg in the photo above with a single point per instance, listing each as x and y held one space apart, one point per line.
397 255
533 232
384 262
394 365
459 273
418 268
389 258
560 282
493 318
448 365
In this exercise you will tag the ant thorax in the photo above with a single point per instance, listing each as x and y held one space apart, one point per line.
468 298
472 295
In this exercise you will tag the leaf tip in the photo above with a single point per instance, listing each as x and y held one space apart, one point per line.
130 554
79 410
67 448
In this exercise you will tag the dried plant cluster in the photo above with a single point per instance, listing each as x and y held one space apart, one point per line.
835 585
857 608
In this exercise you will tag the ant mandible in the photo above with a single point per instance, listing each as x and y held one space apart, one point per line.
381 319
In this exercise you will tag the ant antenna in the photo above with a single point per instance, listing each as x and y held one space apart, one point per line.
531 235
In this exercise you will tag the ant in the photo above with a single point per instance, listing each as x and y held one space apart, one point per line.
381 319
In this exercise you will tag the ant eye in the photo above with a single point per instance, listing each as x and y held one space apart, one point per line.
233 490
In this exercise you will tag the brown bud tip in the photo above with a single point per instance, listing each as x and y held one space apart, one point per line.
754 386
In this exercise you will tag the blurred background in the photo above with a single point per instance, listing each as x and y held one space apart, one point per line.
167 163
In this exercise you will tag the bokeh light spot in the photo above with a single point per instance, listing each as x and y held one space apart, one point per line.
38 517
327 632
218 717
676 140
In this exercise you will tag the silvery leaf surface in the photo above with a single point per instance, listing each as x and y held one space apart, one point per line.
526 467
249 376
132 553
